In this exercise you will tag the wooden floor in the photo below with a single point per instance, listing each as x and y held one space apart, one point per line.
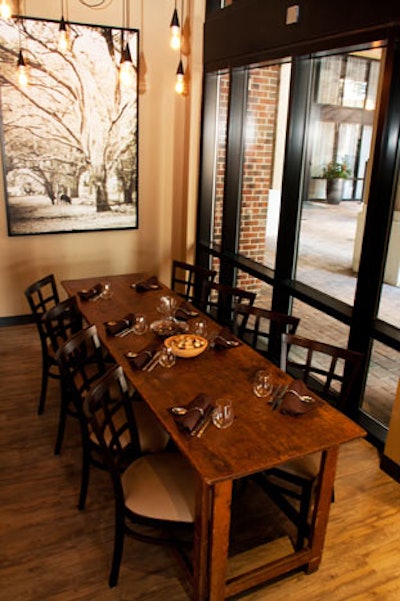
51 551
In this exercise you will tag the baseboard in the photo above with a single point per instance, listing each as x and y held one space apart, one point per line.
391 468
16 320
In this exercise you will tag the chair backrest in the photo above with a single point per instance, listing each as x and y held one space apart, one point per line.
219 301
81 362
42 296
263 329
329 370
109 410
187 280
61 321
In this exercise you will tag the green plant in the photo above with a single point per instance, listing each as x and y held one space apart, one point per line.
335 170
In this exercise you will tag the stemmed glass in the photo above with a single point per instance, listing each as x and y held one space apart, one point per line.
262 384
167 306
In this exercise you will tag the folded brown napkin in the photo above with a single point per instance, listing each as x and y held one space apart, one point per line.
198 411
292 405
140 359
224 340
91 293
149 284
115 327
185 312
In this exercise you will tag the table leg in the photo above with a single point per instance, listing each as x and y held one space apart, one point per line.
322 506
219 538
200 543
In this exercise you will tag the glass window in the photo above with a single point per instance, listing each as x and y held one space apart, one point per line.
264 144
340 137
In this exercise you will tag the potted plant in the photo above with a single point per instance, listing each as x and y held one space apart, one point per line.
335 173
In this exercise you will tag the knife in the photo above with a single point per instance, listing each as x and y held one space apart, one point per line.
203 423
153 362
279 397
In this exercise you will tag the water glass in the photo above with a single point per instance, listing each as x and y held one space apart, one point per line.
140 324
199 327
223 414
107 293
262 384
167 357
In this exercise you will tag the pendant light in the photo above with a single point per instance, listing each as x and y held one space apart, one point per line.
180 72
5 9
126 71
179 82
175 27
22 69
63 33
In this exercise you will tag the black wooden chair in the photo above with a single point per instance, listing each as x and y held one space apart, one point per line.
41 296
187 280
332 372
262 329
82 363
219 301
156 490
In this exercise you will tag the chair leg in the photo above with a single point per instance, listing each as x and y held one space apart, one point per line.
118 548
43 391
61 421
85 468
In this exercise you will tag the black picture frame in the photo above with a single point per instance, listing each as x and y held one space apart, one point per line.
70 137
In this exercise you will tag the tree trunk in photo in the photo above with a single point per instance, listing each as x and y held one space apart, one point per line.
334 190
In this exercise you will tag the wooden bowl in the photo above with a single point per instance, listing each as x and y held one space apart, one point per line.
187 345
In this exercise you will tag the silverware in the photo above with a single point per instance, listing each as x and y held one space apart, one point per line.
304 398
153 362
279 397
124 332
203 423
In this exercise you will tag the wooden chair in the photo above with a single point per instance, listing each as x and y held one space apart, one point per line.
219 301
187 280
82 364
262 329
332 373
41 296
156 490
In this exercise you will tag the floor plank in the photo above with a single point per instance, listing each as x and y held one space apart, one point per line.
52 552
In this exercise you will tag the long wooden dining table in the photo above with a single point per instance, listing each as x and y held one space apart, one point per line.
258 440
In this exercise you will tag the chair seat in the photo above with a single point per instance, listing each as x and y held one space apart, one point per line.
160 486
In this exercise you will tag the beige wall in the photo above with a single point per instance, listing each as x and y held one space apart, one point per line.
169 129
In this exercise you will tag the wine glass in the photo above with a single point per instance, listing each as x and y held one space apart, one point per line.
223 414
262 384
167 306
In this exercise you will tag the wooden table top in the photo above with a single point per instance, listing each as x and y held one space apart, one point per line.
259 437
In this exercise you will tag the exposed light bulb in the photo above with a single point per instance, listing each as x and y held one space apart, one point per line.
5 9
179 82
63 37
22 71
126 71
175 31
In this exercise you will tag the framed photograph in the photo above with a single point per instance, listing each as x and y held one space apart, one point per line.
69 125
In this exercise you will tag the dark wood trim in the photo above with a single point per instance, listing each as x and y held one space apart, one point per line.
256 31
391 468
16 320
